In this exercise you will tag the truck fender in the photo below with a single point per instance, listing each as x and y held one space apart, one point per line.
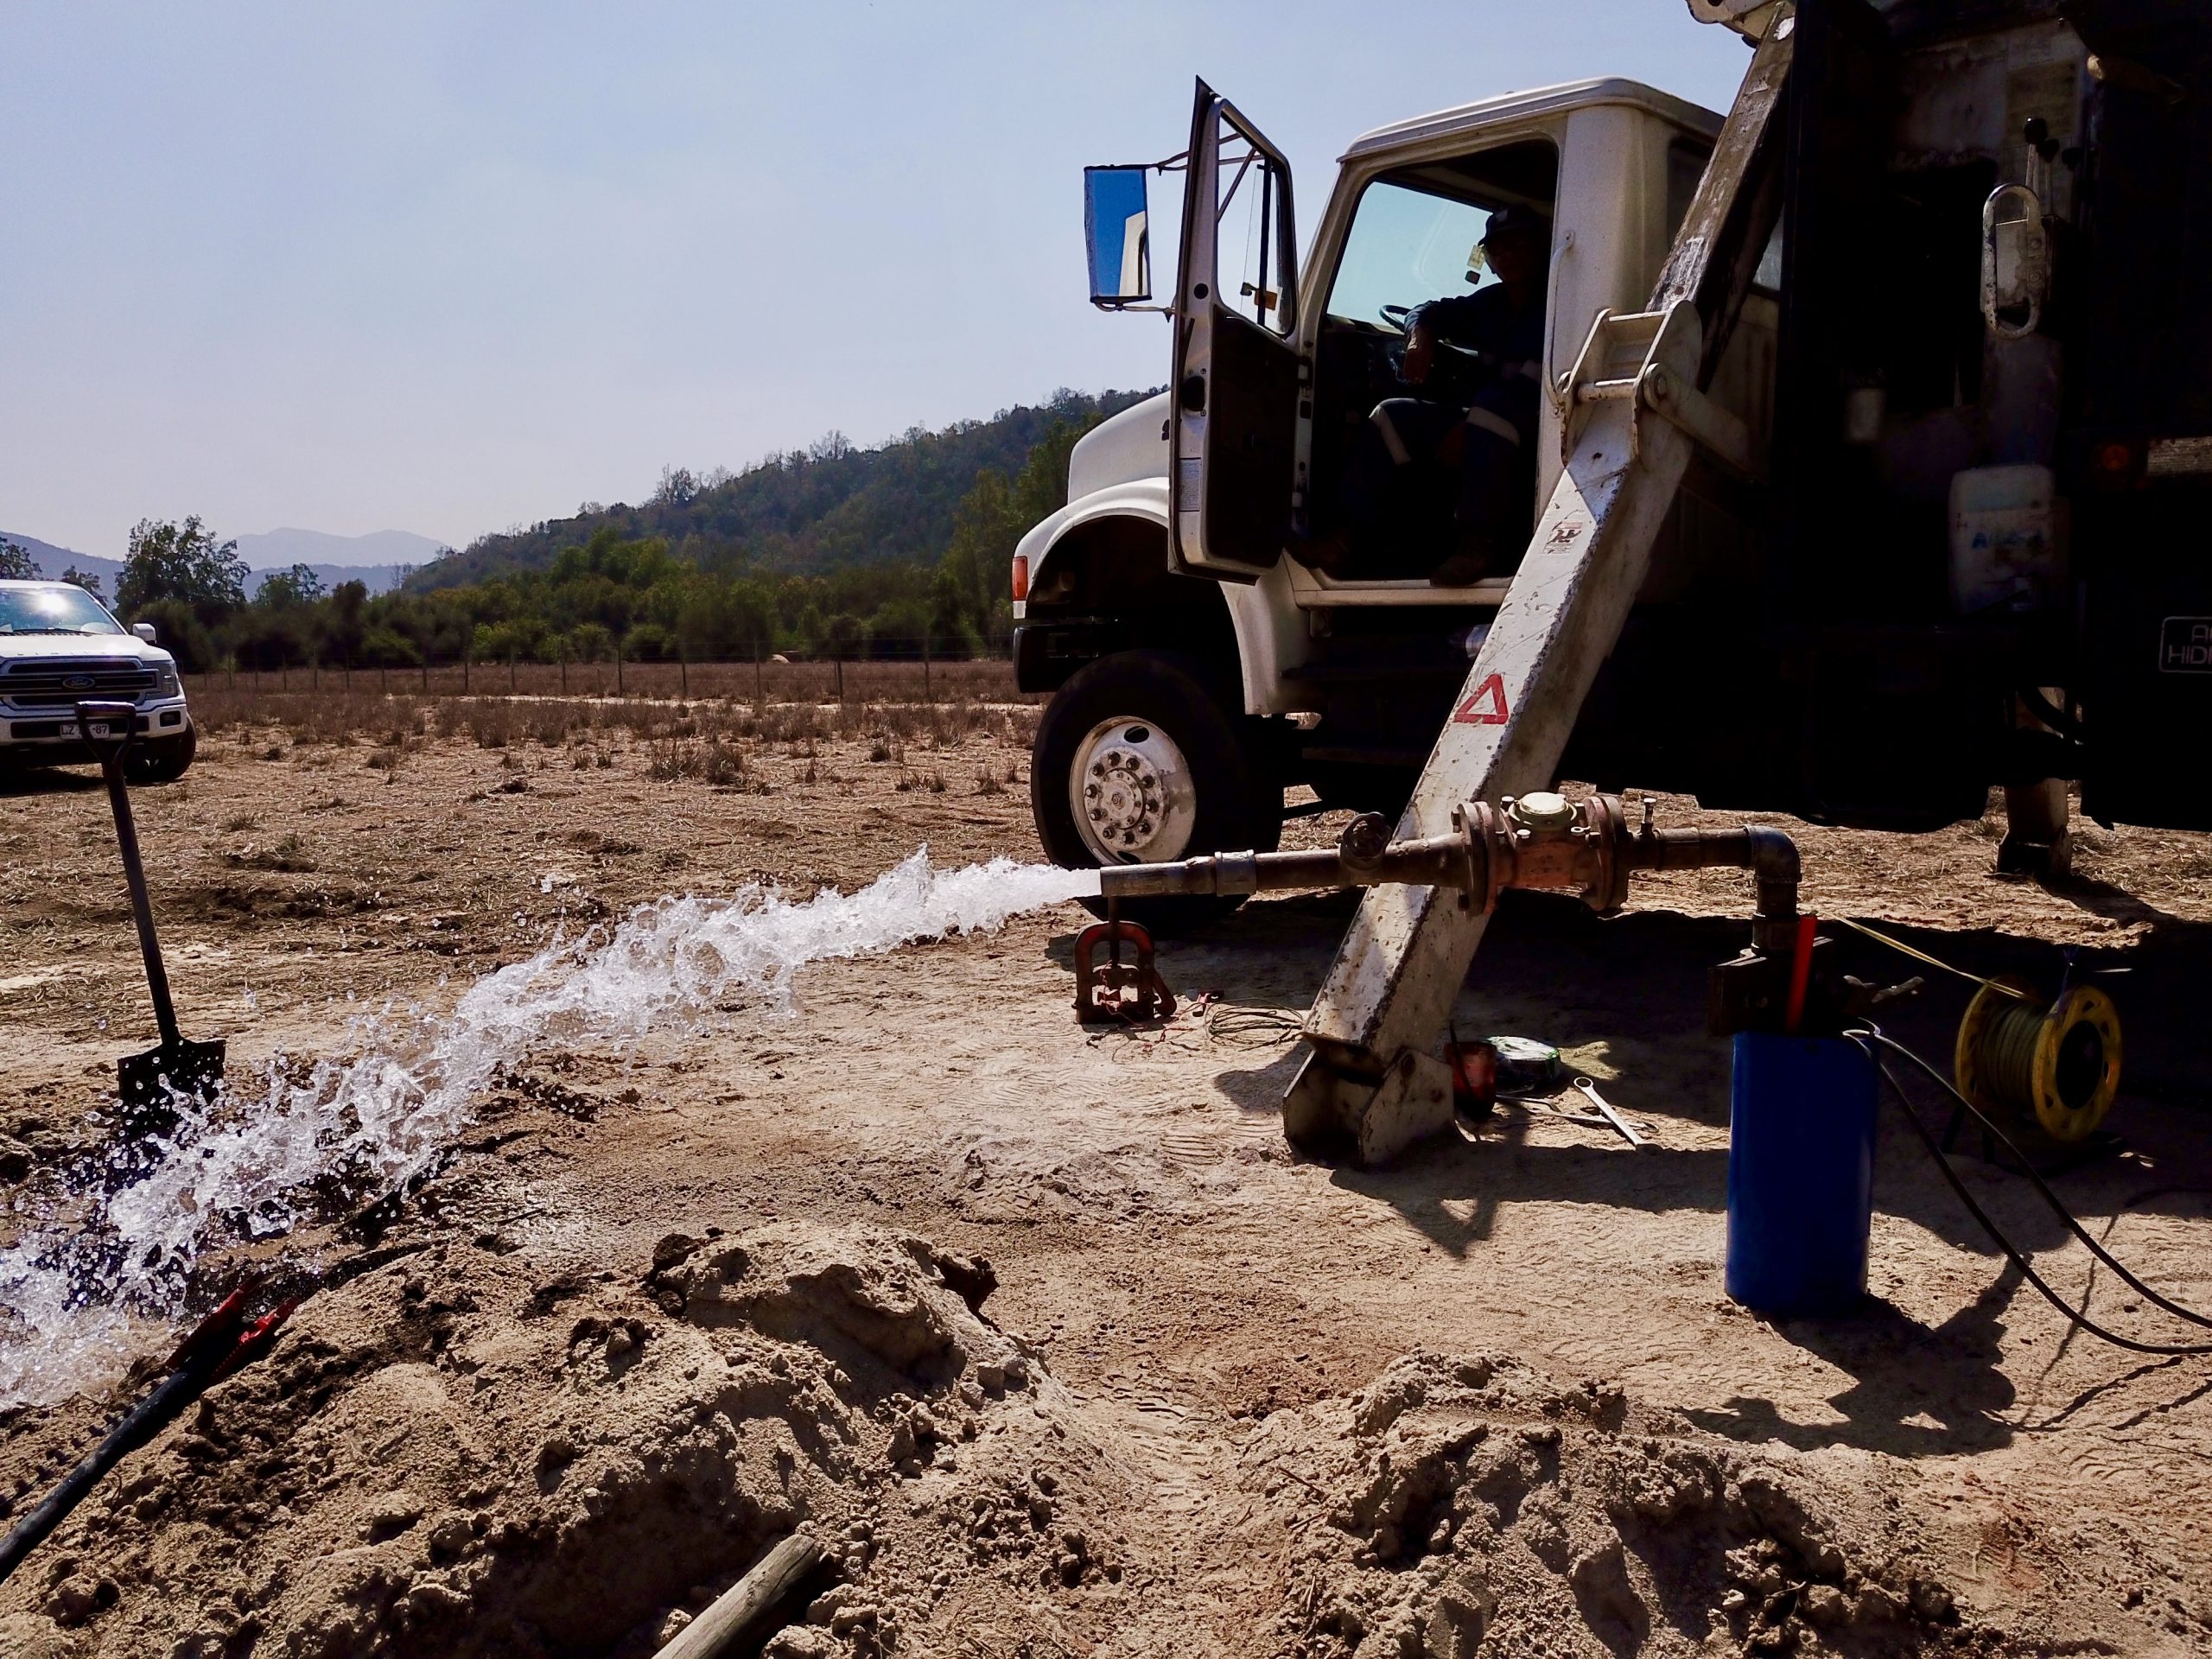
1270 631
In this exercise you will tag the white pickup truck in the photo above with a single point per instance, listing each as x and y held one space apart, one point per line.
59 646
1201 663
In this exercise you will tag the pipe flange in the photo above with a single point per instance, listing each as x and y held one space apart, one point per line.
1606 826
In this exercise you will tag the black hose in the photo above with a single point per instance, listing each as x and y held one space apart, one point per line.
2013 1253
145 1419
2057 1204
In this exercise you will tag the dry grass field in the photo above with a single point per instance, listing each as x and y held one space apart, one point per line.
1043 1329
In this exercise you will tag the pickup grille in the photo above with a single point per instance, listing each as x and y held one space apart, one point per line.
50 683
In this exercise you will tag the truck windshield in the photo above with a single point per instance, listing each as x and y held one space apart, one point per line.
1406 247
59 608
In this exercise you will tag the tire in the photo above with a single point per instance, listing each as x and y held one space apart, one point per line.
1153 714
162 759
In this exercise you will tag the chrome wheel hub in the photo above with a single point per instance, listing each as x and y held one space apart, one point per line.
1132 793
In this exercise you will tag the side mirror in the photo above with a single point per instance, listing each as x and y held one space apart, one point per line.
1115 236
144 630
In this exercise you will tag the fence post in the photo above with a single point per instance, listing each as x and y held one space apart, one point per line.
425 666
839 662
384 677
467 654
562 653
619 691
510 673
684 672
927 696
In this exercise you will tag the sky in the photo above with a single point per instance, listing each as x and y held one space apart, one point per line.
450 268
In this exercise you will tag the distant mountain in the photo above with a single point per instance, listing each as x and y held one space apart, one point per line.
279 550
52 561
824 508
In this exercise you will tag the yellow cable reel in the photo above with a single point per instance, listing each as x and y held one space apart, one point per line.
2059 1064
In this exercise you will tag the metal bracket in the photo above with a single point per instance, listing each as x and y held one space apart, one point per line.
1718 430
1626 358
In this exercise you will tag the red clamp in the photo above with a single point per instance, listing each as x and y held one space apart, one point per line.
1118 992
224 1342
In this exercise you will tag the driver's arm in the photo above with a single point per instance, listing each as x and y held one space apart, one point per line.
1430 322
1421 349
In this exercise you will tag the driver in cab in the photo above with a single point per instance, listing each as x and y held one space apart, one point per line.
1464 446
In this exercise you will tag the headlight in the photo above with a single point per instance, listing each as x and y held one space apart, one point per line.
166 683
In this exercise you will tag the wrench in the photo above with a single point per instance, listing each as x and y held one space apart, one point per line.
1588 1090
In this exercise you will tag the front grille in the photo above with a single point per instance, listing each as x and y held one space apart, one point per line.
51 683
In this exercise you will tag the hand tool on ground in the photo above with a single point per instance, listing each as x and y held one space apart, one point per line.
1588 1090
222 1343
150 1082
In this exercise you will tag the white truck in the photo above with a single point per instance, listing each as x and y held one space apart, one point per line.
1200 664
61 646
1941 531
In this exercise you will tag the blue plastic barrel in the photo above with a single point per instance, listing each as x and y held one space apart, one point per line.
1800 1173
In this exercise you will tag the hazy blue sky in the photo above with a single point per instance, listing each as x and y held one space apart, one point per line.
445 268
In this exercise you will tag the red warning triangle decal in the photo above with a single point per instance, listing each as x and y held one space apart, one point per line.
1486 707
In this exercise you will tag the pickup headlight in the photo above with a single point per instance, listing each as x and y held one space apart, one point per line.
166 683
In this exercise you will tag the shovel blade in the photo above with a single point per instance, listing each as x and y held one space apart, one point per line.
152 1081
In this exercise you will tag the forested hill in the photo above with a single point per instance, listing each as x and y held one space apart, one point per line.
826 507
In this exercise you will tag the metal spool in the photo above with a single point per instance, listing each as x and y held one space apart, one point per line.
2058 1064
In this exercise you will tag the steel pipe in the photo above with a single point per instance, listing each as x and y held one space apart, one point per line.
1770 854
1436 861
1542 842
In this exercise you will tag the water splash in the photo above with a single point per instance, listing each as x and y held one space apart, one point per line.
93 1267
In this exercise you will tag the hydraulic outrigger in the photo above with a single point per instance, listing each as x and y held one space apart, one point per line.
1636 409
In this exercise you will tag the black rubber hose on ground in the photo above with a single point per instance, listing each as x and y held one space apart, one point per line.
2017 1256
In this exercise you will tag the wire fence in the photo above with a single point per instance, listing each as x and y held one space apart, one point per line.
918 679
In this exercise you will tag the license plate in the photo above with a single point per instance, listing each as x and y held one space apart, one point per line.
99 728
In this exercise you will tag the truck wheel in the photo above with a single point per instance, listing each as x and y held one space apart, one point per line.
162 760
1139 760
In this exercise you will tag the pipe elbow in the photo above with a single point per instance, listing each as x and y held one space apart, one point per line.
1774 856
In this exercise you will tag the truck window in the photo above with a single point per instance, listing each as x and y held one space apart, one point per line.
1416 233
53 609
1406 247
1255 263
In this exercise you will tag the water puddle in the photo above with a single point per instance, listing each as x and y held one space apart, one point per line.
93 1267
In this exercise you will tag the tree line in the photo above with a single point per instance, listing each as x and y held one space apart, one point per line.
610 582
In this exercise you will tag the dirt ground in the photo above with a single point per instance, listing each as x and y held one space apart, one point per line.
1044 1329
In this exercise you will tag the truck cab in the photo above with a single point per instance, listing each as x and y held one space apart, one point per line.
1202 656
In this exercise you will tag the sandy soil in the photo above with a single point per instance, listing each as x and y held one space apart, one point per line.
664 1304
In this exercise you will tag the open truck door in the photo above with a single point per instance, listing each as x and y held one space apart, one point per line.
1236 445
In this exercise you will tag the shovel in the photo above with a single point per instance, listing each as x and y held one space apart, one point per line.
150 1081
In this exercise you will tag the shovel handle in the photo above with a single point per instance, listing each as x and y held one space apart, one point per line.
123 715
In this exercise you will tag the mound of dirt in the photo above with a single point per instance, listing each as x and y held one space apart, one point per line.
1466 1505
453 1456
